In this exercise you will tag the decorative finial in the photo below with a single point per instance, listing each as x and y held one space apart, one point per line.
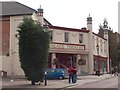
89 14
105 23
40 9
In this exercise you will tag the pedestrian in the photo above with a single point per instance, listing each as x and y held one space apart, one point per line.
70 71
74 79
116 71
112 71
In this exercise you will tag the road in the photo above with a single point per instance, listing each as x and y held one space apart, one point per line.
112 82
106 83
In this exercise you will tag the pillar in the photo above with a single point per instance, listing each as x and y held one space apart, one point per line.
108 65
52 60
90 47
78 57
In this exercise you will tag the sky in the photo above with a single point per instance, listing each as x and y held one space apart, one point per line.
73 13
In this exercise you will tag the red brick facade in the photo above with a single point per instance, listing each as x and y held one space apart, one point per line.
5 35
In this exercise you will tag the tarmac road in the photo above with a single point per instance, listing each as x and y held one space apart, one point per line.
106 83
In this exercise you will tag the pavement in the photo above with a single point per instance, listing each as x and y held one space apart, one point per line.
56 84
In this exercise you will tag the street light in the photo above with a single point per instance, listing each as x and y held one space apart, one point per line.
98 71
45 29
97 46
45 78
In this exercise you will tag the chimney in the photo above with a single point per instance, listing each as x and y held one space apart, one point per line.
89 23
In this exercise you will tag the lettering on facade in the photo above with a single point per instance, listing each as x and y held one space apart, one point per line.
66 46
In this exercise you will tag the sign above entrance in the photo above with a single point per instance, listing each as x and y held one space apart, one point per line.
67 46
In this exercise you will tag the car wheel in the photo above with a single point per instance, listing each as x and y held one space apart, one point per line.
60 77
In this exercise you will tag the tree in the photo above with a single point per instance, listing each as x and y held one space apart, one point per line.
33 49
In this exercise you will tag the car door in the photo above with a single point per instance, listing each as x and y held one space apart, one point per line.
50 74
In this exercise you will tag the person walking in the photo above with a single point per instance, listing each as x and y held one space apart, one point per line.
116 71
74 78
70 71
112 71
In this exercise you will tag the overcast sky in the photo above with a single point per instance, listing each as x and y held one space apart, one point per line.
73 13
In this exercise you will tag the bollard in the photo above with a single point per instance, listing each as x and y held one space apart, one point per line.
45 78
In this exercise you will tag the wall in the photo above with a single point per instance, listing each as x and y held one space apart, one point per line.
102 46
5 35
58 36
14 22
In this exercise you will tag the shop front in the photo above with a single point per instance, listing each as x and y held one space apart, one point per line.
100 64
64 55
63 60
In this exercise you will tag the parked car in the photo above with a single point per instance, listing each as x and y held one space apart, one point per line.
55 73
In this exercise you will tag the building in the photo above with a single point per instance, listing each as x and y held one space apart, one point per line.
81 48
12 15
113 41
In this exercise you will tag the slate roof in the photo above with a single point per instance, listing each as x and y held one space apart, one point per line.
13 8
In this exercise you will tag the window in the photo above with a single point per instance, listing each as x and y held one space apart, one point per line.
51 35
104 47
66 36
93 42
80 38
101 45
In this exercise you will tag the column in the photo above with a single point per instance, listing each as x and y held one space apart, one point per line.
78 57
108 65
52 60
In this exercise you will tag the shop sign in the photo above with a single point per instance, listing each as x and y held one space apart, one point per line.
66 46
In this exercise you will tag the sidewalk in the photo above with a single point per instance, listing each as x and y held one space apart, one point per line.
22 83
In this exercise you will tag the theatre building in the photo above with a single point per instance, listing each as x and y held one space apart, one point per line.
80 48
69 47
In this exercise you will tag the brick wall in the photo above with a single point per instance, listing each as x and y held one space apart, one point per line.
5 35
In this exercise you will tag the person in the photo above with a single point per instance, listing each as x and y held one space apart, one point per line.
70 71
116 71
74 78
112 71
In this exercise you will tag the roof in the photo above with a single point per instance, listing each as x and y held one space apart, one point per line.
69 29
46 21
99 36
13 8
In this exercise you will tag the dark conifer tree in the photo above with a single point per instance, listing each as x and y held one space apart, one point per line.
33 49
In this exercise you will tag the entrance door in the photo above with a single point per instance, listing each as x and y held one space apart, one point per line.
65 60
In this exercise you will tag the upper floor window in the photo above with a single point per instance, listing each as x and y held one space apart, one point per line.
66 36
80 38
101 45
93 42
97 40
104 47
51 35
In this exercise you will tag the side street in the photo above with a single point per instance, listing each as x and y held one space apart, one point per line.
23 83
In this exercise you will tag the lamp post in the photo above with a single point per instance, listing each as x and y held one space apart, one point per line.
45 78
45 28
98 71
97 46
